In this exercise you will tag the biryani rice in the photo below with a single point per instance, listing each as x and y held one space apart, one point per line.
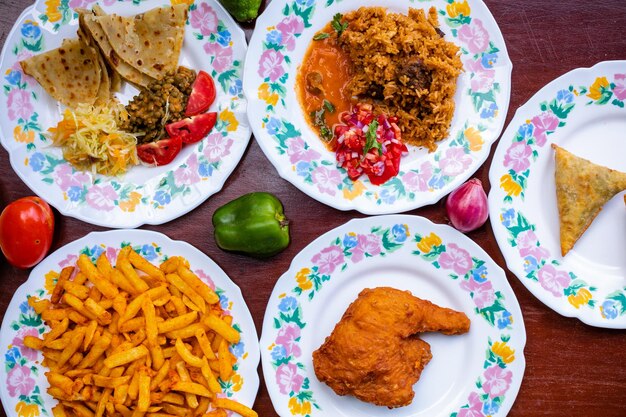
382 46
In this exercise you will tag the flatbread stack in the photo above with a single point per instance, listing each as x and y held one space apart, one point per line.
71 74
138 49
582 189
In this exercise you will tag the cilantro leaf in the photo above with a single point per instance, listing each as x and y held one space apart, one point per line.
370 139
337 25
320 36
329 106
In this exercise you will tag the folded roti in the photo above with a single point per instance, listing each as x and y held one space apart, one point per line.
89 25
149 42
582 189
71 73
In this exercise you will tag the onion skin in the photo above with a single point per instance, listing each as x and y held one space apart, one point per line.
467 206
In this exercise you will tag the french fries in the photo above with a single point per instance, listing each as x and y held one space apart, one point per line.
135 340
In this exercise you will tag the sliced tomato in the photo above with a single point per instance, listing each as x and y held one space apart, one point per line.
202 94
161 152
192 129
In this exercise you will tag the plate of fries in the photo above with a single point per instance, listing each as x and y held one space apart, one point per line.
128 323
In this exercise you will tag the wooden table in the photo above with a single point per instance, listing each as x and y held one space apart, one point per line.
572 369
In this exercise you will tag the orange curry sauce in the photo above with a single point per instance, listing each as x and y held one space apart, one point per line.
324 74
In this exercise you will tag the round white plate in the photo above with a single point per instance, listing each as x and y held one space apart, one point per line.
23 384
478 372
583 112
153 195
283 33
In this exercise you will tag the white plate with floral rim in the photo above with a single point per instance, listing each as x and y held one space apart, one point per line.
144 195
23 384
583 112
478 372
281 37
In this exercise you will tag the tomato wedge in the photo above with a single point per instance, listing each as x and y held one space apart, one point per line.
161 152
192 129
202 94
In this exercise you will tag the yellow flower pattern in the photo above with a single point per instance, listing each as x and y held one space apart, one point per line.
51 281
455 9
504 351
298 408
302 277
474 138
130 204
595 91
52 10
231 121
581 298
26 410
428 242
357 190
509 186
23 137
265 95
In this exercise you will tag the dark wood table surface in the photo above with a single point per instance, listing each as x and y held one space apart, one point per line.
572 369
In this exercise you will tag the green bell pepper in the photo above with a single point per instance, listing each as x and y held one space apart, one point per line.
253 224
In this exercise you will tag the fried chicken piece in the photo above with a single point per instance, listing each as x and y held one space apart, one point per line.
374 352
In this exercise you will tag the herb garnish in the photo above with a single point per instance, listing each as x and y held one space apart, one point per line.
336 25
370 139
319 120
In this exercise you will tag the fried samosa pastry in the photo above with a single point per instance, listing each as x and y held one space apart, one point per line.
582 189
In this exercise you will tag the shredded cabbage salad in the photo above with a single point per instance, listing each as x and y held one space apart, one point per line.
92 140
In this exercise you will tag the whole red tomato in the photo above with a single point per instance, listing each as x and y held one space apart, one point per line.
26 229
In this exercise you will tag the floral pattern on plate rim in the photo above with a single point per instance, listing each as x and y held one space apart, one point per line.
479 55
22 363
102 193
471 273
539 265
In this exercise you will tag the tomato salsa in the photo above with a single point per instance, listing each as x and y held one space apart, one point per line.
321 84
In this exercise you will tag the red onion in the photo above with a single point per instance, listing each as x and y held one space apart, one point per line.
467 206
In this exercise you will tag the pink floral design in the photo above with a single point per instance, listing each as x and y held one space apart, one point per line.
326 179
18 340
418 181
497 381
483 293
297 152
545 122
204 18
517 156
527 244
552 280
187 175
457 259
271 65
111 254
475 407
19 105
204 277
69 261
101 197
475 36
65 177
328 259
288 379
455 162
482 78
289 27
19 381
216 147
81 3
620 86
369 244
223 57
287 337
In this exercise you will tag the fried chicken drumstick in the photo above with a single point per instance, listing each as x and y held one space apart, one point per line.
374 352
